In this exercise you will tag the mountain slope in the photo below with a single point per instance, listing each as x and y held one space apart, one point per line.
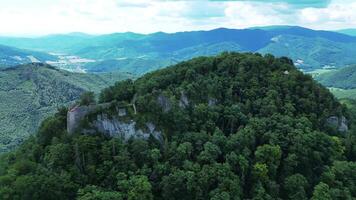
312 53
235 126
351 32
50 43
311 49
341 82
29 93
10 56
344 78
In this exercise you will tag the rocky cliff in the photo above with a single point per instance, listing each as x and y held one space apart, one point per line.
118 125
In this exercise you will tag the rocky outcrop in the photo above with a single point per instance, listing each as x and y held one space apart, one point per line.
212 102
116 128
112 127
183 101
340 123
77 113
122 112
164 103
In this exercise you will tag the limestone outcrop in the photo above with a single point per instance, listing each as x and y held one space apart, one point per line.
164 103
183 101
340 123
113 126
117 128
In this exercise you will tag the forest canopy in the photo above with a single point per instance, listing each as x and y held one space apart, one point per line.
251 127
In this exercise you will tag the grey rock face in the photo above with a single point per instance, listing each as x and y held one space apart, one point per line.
212 102
164 103
125 130
183 101
343 124
74 116
77 113
338 122
112 127
122 112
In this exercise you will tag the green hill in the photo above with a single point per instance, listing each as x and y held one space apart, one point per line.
234 126
342 82
312 53
344 78
10 56
351 32
30 93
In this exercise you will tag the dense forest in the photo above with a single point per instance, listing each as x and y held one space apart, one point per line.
32 92
250 127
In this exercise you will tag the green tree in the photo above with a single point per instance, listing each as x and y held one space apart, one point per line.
139 188
295 186
87 98
96 193
321 192
269 155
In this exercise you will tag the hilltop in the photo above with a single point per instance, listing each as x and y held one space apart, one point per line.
29 93
234 126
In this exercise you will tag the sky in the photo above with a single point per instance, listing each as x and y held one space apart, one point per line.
41 17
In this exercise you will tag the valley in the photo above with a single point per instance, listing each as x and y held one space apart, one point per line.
141 53
30 93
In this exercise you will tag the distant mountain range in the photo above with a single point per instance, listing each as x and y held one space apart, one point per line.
351 32
29 93
10 56
140 53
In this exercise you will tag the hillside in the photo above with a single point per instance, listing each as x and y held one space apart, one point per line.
311 53
10 56
344 78
234 126
341 82
351 32
30 93
310 49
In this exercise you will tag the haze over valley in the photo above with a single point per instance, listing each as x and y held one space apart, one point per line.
140 53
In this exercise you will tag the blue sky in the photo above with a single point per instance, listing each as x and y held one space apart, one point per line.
40 17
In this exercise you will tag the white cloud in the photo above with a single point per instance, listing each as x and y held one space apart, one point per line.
242 14
338 14
105 16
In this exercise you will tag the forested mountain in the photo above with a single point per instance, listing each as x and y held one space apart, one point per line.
310 49
342 82
50 43
235 126
351 32
10 56
344 78
29 93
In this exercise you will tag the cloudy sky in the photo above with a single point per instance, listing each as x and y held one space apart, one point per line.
39 17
